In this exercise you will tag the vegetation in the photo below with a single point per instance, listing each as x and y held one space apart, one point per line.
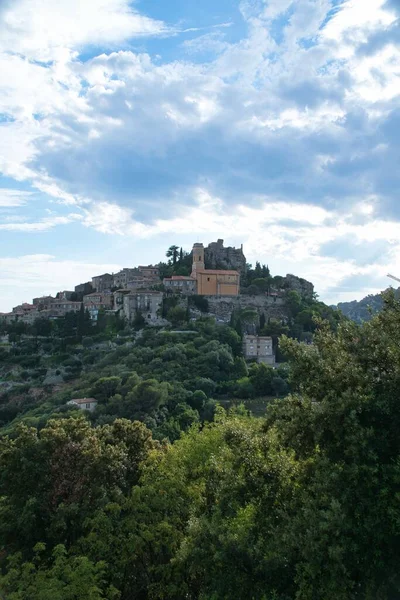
302 504
363 310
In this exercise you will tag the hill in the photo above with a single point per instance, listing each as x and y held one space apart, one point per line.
362 310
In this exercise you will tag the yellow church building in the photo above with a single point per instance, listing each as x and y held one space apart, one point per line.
213 282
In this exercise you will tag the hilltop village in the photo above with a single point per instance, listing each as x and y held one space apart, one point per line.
217 273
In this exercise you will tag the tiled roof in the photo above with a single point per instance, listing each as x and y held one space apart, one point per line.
83 400
180 278
216 272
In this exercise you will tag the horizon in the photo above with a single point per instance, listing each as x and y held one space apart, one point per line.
137 125
54 293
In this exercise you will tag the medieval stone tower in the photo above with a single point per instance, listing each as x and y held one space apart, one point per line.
198 259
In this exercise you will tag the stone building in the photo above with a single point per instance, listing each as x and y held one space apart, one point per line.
137 282
180 284
65 295
43 302
102 283
150 272
60 308
136 278
147 303
119 298
25 308
84 288
259 348
98 301
84 403
213 282
121 278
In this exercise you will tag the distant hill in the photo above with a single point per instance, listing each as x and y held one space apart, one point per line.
362 310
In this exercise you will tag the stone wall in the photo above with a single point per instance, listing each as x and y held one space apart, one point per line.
222 306
218 257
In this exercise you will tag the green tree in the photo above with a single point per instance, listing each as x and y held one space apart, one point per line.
173 253
148 395
105 387
51 480
177 315
66 578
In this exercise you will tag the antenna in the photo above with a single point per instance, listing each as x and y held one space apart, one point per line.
393 277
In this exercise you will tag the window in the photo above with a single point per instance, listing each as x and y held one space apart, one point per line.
208 279
88 405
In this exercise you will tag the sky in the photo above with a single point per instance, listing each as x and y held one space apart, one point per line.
126 127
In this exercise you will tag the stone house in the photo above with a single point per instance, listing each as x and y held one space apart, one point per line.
43 302
24 308
84 288
259 348
84 403
121 278
65 295
119 298
62 307
98 300
180 284
137 282
147 303
103 282
150 272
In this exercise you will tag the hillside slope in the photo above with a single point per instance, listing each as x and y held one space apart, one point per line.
362 310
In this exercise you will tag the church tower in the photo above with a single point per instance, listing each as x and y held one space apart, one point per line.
198 259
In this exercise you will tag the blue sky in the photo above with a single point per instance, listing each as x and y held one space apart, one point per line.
126 127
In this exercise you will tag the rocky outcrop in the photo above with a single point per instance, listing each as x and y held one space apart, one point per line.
218 257
302 286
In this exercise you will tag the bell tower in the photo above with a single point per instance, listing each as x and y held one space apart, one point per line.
198 259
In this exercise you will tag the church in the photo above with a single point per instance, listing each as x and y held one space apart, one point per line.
213 282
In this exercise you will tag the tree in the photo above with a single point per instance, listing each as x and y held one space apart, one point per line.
265 272
43 327
177 315
148 395
138 321
172 253
66 578
294 303
51 480
261 377
105 387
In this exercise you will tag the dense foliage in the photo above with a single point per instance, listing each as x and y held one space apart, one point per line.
303 504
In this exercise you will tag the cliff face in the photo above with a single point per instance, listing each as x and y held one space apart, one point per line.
218 257
302 286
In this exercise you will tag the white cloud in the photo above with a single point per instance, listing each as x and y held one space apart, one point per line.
354 20
288 236
42 225
41 30
12 198
137 107
26 277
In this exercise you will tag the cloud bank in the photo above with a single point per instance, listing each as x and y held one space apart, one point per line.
278 128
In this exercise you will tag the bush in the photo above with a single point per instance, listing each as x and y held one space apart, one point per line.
200 302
